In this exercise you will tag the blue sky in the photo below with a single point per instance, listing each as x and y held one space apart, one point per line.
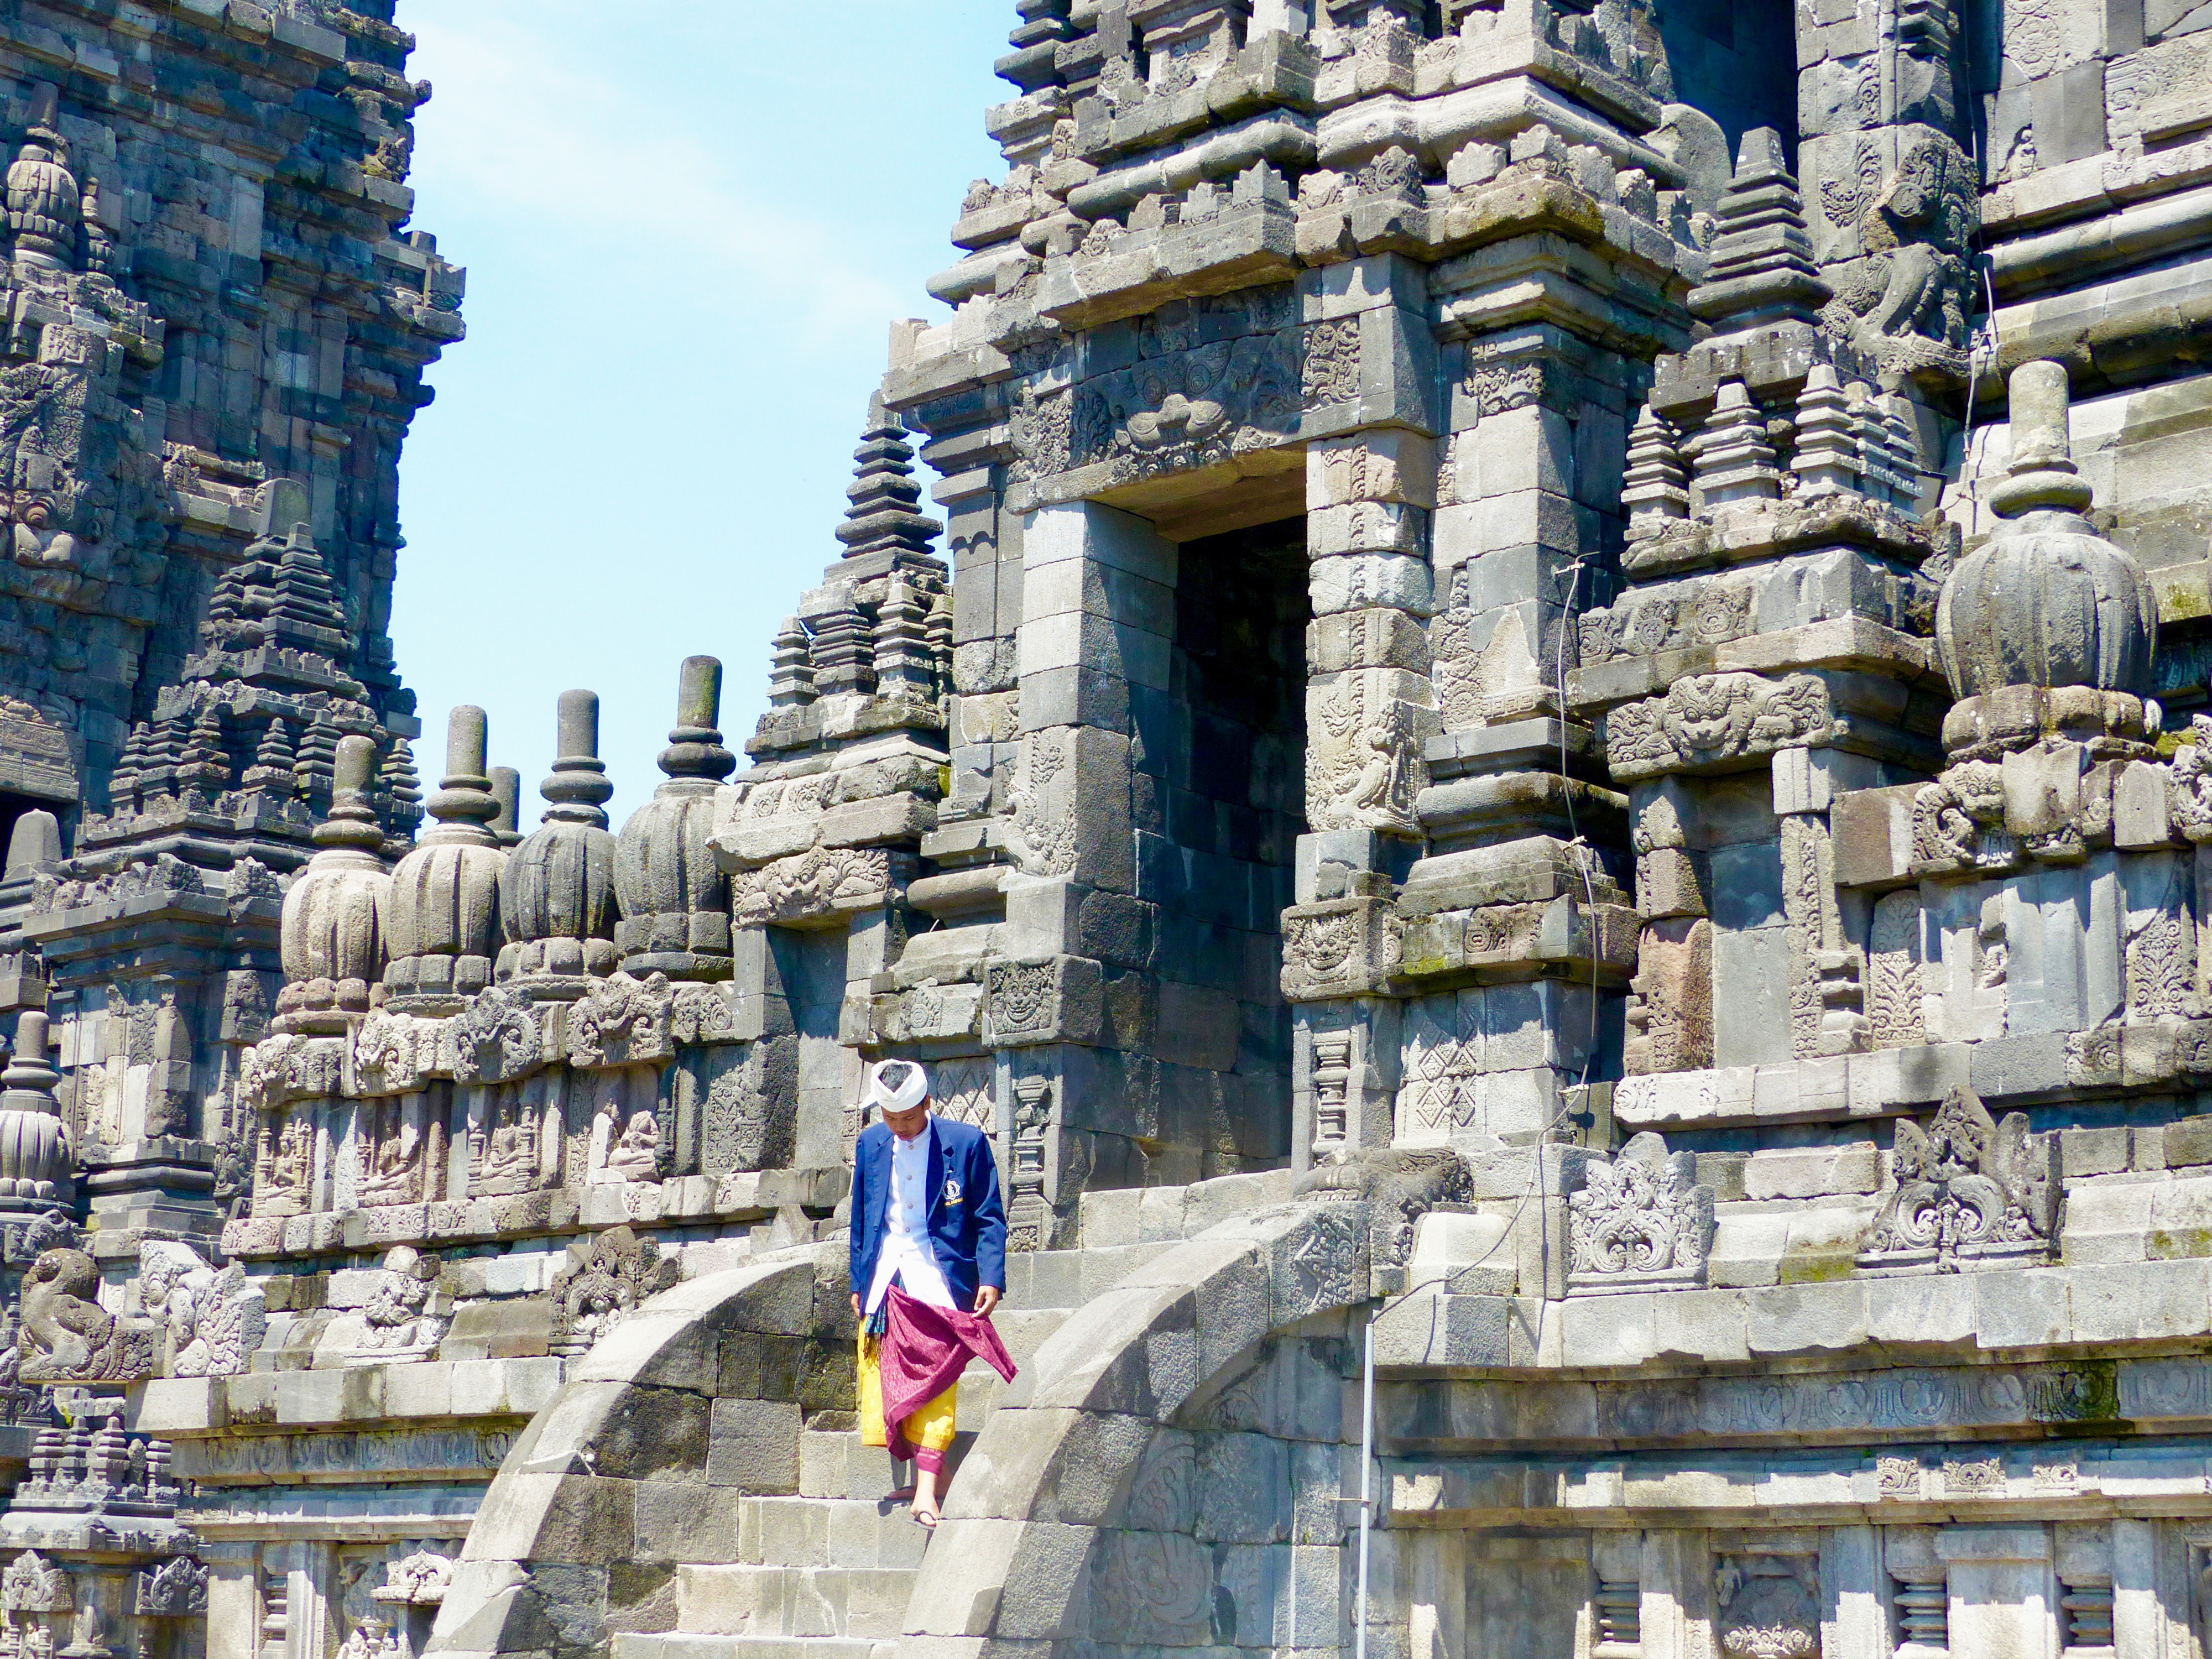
687 228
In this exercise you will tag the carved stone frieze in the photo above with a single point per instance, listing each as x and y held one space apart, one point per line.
499 1037
404 1319
210 1322
281 1069
1399 1185
625 1147
1707 612
419 1579
175 1589
1364 766
1768 1606
811 886
1210 377
394 1055
621 1021
1342 948
1713 721
1670 1002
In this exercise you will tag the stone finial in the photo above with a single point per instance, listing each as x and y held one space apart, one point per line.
842 648
1652 485
35 1146
675 899
902 644
1762 268
318 755
205 767
464 802
445 894
403 788
2040 474
99 246
1827 457
577 789
336 912
123 782
694 746
34 843
272 772
507 790
352 822
43 209
557 900
2046 602
1735 462
884 521
791 673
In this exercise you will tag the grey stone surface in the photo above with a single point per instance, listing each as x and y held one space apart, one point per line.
1488 608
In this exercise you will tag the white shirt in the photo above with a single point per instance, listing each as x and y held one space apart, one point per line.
907 1253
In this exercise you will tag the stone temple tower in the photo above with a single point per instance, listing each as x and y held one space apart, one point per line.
1517 693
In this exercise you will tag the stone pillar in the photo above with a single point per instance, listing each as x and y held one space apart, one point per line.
1854 1622
1097 604
2003 1603
1675 1618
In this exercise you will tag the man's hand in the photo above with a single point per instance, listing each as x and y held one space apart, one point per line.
856 1305
986 1297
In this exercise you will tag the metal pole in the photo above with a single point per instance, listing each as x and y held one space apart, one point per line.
1366 1476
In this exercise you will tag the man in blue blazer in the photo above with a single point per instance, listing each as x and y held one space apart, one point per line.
925 1216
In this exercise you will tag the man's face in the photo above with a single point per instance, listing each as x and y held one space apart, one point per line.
907 1125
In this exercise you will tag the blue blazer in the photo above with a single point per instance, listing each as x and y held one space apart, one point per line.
967 1221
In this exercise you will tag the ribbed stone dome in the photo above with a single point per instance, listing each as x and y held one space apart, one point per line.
35 1145
556 893
335 909
444 930
2046 601
675 899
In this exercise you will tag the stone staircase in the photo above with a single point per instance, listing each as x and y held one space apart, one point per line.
827 1573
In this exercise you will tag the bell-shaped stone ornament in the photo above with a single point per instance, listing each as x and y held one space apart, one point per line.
557 899
35 1145
675 900
2046 606
335 913
445 930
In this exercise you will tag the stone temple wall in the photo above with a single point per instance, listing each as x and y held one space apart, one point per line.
1558 722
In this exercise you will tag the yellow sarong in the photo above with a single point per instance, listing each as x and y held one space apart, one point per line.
928 1430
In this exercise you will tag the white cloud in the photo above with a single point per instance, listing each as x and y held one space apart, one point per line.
517 134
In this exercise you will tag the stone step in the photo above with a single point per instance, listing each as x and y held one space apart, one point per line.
857 1603
682 1644
835 1464
827 1532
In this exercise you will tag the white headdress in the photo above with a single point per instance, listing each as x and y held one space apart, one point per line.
897 1086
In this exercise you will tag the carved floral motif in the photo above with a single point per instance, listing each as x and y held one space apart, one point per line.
602 1283
1769 1607
1970 1189
1640 1221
